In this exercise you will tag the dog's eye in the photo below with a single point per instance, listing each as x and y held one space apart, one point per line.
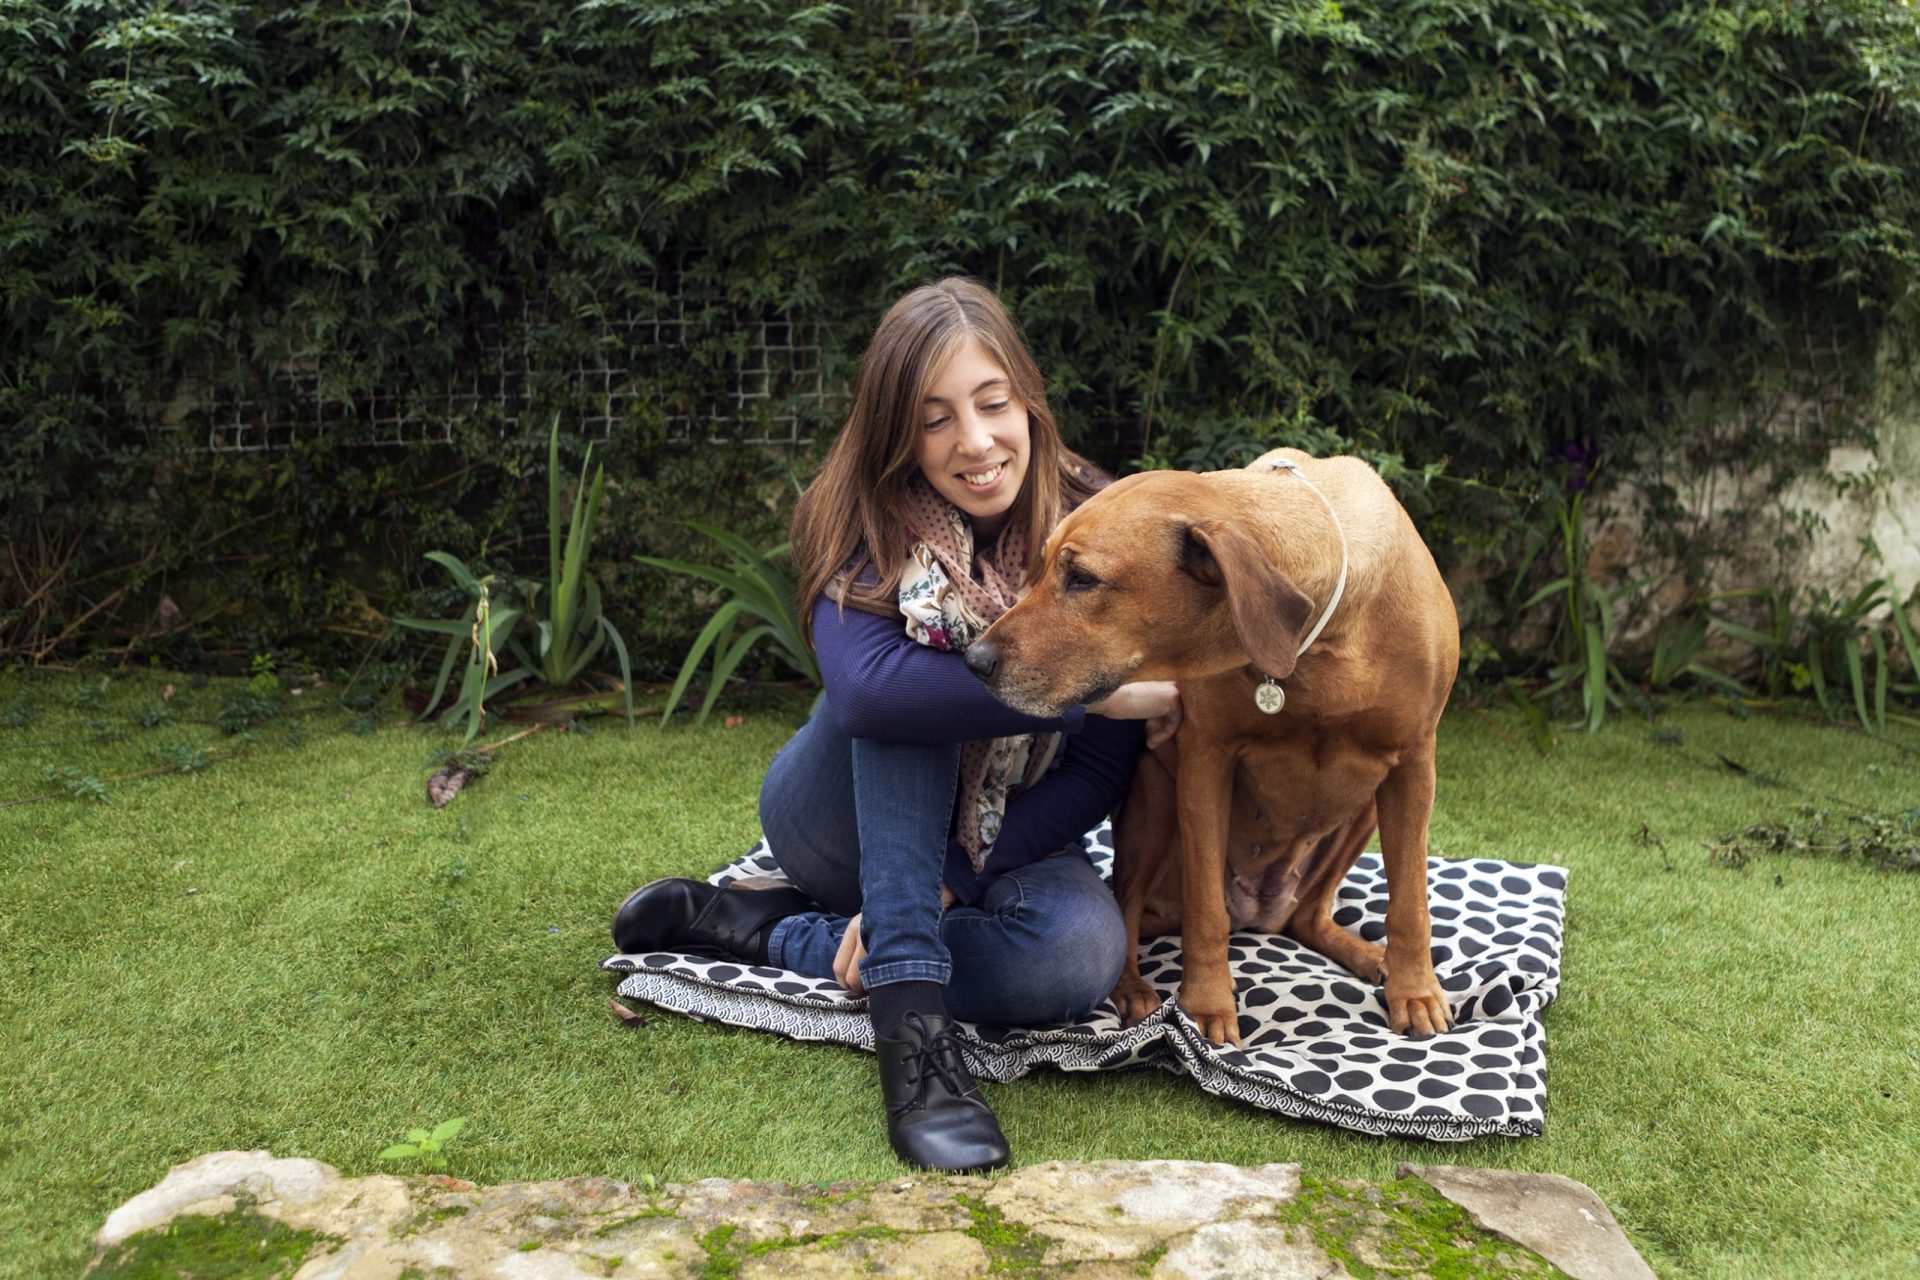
1081 580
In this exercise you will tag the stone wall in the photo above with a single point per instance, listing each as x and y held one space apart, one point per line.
240 1213
1832 502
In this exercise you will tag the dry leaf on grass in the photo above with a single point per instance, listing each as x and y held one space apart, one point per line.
626 1015
445 785
734 722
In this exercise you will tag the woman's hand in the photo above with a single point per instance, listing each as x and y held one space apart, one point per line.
1155 701
846 961
853 949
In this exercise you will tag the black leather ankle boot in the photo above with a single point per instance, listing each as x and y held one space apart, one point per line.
936 1118
697 918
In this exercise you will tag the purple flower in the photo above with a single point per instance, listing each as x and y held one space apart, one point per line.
1576 457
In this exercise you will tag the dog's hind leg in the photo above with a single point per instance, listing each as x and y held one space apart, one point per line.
1312 923
1145 851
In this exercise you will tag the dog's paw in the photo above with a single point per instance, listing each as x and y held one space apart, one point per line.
1217 1019
1366 961
1221 1028
1134 999
1416 1005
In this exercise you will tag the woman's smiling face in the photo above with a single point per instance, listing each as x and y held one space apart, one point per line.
973 439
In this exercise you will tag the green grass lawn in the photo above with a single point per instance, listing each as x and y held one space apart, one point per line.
291 950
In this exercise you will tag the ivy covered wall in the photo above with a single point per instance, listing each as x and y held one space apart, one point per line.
1491 246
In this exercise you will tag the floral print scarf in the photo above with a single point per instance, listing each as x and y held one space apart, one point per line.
949 596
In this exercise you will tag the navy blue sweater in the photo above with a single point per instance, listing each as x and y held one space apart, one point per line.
883 684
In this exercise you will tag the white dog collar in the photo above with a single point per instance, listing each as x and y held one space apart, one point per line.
1269 696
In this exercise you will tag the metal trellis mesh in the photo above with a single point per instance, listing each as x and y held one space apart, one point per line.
766 387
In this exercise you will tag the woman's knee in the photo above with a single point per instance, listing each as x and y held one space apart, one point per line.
806 813
1094 949
1056 985
1050 953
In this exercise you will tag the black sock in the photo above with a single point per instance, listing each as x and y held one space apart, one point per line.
890 1004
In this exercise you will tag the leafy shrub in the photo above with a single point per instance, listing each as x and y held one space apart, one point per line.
1457 234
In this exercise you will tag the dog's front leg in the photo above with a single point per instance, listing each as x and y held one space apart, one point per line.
1204 788
1143 839
1415 1002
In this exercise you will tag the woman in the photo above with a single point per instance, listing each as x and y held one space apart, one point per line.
926 825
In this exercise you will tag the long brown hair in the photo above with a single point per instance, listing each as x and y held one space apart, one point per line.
851 518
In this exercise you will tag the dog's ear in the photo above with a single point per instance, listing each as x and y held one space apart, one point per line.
1269 612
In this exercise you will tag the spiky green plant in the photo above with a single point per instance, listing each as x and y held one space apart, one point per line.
757 589
1826 649
1585 631
566 641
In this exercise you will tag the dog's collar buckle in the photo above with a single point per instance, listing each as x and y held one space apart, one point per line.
1270 697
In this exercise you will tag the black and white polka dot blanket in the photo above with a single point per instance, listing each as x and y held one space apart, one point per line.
1316 1040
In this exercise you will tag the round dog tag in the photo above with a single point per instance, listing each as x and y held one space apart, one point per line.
1269 697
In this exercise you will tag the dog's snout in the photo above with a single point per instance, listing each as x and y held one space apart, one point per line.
983 658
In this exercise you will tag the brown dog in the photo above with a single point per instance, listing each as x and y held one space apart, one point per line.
1215 581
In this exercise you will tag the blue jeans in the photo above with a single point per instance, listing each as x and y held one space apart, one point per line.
861 825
